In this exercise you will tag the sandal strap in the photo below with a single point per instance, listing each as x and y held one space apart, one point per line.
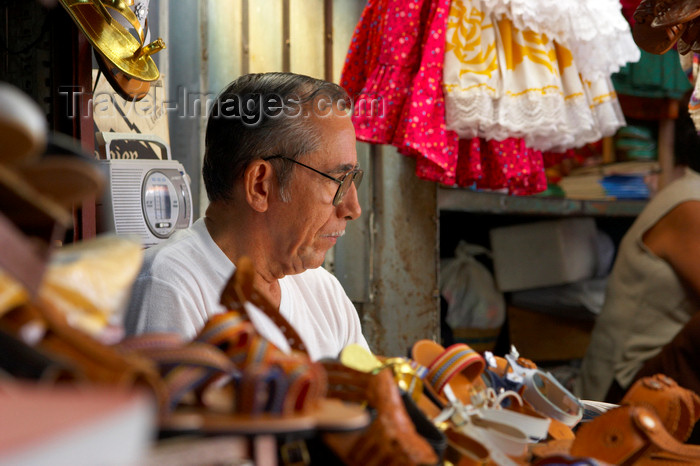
262 390
187 368
240 289
307 381
454 360
544 393
234 334
124 11
677 407
535 428
147 341
629 434
108 36
230 332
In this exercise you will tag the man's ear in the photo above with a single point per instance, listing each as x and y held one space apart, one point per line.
259 182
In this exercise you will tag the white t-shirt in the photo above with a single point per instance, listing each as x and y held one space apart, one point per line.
180 285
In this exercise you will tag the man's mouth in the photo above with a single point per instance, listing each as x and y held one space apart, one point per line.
335 234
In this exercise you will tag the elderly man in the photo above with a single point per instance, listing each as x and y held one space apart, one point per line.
280 171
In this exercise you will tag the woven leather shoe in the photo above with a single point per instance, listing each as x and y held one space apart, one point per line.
671 12
656 40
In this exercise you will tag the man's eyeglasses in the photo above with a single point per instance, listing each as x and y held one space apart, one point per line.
344 182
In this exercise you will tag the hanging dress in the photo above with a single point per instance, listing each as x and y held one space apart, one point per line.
501 81
393 30
423 133
397 72
596 31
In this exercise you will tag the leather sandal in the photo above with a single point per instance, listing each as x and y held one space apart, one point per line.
23 126
408 377
239 343
546 395
23 262
391 438
185 368
276 392
689 40
65 180
454 382
236 336
111 39
458 365
127 86
208 393
445 378
41 326
23 361
631 434
656 40
37 195
677 407
500 376
672 12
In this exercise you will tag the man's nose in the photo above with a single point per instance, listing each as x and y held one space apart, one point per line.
350 208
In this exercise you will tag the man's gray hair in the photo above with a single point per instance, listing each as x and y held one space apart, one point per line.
260 115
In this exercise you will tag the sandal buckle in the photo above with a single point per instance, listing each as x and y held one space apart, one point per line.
295 453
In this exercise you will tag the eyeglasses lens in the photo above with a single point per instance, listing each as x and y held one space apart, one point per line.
352 177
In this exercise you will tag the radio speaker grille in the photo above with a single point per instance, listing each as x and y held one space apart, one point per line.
126 199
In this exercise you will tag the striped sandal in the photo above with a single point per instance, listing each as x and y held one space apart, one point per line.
235 335
454 384
244 384
209 393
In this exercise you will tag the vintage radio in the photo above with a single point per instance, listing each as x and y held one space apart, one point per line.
147 194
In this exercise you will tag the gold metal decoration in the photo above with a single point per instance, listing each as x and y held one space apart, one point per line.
112 40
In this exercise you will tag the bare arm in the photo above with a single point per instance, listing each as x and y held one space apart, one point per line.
676 239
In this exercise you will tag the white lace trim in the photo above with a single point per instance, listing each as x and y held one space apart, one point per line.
546 123
552 106
595 30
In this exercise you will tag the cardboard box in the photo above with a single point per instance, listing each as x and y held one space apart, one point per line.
546 253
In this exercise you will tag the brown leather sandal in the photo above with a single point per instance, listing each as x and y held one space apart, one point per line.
689 40
677 407
391 439
304 405
631 434
671 12
43 327
654 39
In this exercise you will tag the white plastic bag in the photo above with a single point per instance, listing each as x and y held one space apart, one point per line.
473 300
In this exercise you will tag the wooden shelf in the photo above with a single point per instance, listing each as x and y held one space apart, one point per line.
464 200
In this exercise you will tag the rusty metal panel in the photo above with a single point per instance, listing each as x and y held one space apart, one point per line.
266 24
405 295
306 37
